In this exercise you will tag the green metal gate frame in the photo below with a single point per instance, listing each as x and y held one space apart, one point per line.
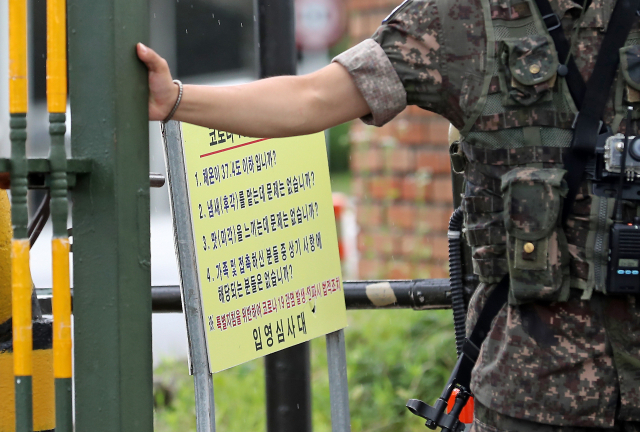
111 218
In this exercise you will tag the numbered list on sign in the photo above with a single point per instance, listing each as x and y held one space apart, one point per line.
265 235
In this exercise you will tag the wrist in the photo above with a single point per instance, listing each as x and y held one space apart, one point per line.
175 106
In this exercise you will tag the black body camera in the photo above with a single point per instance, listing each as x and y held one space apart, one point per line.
616 174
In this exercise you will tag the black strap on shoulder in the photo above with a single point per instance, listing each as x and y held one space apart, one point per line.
570 70
589 125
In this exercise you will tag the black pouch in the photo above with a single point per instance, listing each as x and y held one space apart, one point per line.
537 250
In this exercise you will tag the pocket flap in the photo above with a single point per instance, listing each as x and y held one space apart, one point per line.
630 65
532 59
532 201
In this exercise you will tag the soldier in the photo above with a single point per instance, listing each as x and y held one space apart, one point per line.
562 354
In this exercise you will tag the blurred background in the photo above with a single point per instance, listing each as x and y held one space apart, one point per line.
398 200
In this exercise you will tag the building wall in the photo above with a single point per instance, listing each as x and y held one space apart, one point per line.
401 180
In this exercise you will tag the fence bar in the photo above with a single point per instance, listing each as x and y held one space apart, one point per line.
20 275
186 253
416 294
337 363
108 91
57 107
288 399
394 294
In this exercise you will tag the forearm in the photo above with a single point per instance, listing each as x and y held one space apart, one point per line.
275 107
272 107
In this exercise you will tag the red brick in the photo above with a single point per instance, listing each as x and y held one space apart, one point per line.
415 247
359 5
398 270
357 25
367 160
359 186
401 160
416 188
430 271
439 247
442 191
433 219
365 242
385 243
370 269
387 132
384 187
438 132
402 215
421 271
414 132
440 270
377 18
425 248
410 188
369 215
416 111
434 161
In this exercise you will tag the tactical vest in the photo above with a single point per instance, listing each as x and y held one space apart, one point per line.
514 164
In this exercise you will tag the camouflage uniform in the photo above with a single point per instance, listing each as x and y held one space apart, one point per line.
562 352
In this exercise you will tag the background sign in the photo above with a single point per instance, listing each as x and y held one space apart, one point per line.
265 236
319 23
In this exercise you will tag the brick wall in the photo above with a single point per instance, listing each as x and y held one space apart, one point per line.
401 180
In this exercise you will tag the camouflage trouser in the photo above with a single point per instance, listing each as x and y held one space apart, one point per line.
486 420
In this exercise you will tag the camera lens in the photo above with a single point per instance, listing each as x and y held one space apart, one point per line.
634 149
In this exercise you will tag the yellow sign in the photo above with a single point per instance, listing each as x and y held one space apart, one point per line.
265 235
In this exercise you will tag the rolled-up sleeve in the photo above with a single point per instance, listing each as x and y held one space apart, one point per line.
409 62
377 80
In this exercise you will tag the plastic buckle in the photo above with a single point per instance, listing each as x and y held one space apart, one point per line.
554 25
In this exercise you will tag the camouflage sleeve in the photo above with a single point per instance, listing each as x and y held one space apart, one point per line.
438 50
376 79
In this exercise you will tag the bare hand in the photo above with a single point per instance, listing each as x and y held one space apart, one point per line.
163 93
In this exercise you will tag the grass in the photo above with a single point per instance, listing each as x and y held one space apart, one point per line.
341 182
392 356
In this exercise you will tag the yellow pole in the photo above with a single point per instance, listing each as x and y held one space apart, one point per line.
57 105
17 56
20 277
42 362
56 56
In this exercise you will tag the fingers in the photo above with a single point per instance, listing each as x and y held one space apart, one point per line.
151 59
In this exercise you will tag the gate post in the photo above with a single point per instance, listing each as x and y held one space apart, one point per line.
287 372
111 252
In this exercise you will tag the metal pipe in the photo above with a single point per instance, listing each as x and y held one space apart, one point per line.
57 107
338 387
20 276
418 294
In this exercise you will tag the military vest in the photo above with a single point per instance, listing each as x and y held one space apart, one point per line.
514 164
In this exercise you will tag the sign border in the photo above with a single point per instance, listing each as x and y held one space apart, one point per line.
184 244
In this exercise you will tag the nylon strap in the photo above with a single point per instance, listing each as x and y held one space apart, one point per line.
589 123
471 348
574 78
